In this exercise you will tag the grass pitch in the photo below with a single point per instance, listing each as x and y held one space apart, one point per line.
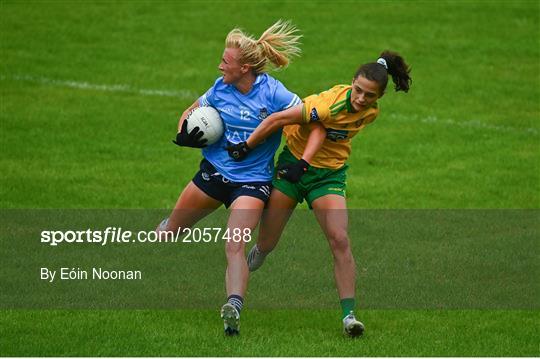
91 93
268 333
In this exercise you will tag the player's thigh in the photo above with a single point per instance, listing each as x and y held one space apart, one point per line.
276 215
244 216
192 205
331 213
247 203
279 200
245 212
192 197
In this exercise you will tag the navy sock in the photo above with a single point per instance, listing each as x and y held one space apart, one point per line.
237 301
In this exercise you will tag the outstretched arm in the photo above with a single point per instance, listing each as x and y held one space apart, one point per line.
315 141
292 172
274 122
268 126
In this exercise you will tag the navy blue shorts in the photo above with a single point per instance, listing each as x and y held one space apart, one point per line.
211 182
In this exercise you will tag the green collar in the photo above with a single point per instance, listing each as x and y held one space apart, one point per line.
350 109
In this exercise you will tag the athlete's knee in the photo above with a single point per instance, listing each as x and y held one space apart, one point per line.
339 241
234 249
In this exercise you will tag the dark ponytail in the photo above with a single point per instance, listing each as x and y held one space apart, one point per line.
398 69
395 67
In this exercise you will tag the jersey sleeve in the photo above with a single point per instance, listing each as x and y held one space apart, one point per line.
315 109
283 98
208 98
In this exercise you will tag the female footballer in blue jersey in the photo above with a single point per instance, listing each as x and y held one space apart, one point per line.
244 96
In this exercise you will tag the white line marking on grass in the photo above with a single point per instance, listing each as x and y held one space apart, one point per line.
187 94
467 124
184 94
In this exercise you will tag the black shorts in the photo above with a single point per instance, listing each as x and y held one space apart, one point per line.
211 182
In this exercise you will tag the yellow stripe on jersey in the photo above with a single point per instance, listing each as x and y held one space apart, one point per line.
333 109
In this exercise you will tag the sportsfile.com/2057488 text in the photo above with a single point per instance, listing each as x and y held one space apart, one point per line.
118 235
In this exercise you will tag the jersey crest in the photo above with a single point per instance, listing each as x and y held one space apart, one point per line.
263 113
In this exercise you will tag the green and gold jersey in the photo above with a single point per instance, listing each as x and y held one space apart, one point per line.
333 109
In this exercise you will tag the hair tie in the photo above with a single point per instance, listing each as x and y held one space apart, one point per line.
382 61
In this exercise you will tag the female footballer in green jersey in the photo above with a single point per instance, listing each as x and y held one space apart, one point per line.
313 166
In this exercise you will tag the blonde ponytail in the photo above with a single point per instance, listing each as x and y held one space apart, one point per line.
274 49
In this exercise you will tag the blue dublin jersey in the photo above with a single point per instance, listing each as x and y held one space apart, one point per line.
241 114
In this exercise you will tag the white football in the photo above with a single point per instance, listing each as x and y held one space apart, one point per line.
209 122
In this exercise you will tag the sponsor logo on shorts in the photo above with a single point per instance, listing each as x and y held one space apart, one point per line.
336 189
246 186
205 176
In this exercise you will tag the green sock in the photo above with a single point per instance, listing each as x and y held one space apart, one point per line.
347 304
